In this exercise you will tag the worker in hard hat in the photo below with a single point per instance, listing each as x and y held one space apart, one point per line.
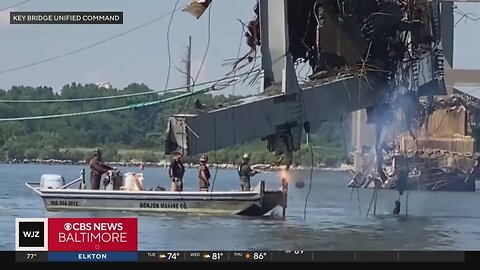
176 170
97 169
245 172
204 174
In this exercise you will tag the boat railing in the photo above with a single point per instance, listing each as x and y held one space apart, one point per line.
80 179
71 183
34 186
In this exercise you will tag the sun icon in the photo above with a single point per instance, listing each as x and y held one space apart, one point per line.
247 256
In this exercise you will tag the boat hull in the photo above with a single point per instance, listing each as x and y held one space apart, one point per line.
198 205
253 203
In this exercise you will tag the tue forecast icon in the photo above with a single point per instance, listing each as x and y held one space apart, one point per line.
31 234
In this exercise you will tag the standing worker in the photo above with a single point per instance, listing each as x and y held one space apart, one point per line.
245 172
204 174
97 169
176 172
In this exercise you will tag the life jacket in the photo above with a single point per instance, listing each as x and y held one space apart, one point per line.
240 171
206 170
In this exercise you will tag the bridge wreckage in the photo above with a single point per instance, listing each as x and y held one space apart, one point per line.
368 54
433 152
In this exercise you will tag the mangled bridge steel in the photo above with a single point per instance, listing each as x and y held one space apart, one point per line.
359 52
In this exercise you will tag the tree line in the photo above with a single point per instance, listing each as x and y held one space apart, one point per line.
125 135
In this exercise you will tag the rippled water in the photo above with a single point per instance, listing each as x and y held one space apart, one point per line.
335 218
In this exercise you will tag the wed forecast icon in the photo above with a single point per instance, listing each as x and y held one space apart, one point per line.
31 234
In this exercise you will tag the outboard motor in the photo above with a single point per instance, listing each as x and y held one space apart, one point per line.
113 180
51 181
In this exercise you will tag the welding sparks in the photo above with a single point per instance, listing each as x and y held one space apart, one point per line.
287 176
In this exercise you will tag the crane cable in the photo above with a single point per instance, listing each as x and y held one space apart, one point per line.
168 45
209 26
310 184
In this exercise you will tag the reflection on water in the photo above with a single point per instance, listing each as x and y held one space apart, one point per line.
335 218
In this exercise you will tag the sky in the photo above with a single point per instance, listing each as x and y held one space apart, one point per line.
141 56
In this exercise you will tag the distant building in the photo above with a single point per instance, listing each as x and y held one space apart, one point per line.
105 85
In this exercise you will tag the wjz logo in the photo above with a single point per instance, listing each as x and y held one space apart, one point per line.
31 234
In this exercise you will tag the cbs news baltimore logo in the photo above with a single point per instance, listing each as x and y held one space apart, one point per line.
76 234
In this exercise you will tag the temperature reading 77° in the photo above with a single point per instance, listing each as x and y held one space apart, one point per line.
30 256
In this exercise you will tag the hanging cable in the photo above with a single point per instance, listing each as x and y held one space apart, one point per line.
168 44
306 127
215 151
208 43
206 51
372 201
123 108
15 5
406 203
358 201
88 46
347 160
229 80
310 185
234 78
238 56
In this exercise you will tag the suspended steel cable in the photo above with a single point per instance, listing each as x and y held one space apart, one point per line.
123 108
119 96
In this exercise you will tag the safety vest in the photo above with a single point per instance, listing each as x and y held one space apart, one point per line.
240 171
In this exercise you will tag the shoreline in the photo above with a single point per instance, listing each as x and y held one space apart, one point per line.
164 164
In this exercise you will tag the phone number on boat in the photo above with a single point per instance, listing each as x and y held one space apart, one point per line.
64 203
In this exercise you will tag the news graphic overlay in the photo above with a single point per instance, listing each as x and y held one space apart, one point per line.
66 17
92 239
76 239
31 234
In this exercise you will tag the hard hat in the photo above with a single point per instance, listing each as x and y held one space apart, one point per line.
246 156
204 158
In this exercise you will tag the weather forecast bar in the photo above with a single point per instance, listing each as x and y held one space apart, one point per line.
302 256
246 256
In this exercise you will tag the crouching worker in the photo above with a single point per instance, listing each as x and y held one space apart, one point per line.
204 174
176 171
97 169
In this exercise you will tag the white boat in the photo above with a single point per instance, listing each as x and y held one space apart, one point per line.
58 196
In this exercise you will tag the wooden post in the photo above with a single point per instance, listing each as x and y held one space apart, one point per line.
285 196
83 184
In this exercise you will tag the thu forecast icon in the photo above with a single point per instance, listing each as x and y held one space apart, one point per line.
31 234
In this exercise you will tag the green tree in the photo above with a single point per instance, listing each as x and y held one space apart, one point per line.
141 129
49 153
32 153
110 154
149 157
